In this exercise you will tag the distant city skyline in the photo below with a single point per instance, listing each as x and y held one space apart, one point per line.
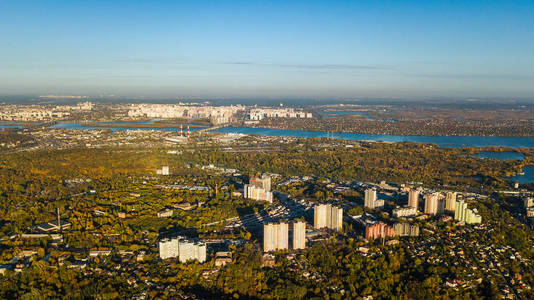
224 49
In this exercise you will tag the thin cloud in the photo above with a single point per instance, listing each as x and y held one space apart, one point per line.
141 60
331 66
474 76
312 66
142 76
240 63
130 76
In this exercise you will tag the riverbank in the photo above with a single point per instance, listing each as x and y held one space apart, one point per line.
440 141
140 125
362 124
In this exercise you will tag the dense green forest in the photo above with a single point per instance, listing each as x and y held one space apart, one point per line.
397 162
82 182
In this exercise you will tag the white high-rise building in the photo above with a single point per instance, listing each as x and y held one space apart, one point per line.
168 248
431 203
299 235
464 214
275 236
528 202
269 237
407 211
405 229
326 215
165 170
336 222
189 250
441 204
319 216
413 199
263 182
370 200
283 236
256 193
183 249
450 201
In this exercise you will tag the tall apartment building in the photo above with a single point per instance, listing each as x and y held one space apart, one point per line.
464 214
270 234
182 111
256 193
370 200
406 211
259 188
189 250
167 213
326 215
441 204
337 219
529 206
261 113
163 171
168 248
263 182
183 249
319 216
450 201
431 203
378 230
413 199
405 229
528 202
275 236
299 235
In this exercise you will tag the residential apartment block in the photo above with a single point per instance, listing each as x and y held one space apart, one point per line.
327 216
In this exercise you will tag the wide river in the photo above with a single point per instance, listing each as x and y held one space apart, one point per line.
441 141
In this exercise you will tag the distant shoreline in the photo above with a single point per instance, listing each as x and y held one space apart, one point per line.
151 125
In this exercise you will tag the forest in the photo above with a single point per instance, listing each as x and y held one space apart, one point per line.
92 186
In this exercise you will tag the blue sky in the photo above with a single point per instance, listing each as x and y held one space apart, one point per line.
274 49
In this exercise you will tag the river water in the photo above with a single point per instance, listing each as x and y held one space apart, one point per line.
441 141
505 155
526 177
